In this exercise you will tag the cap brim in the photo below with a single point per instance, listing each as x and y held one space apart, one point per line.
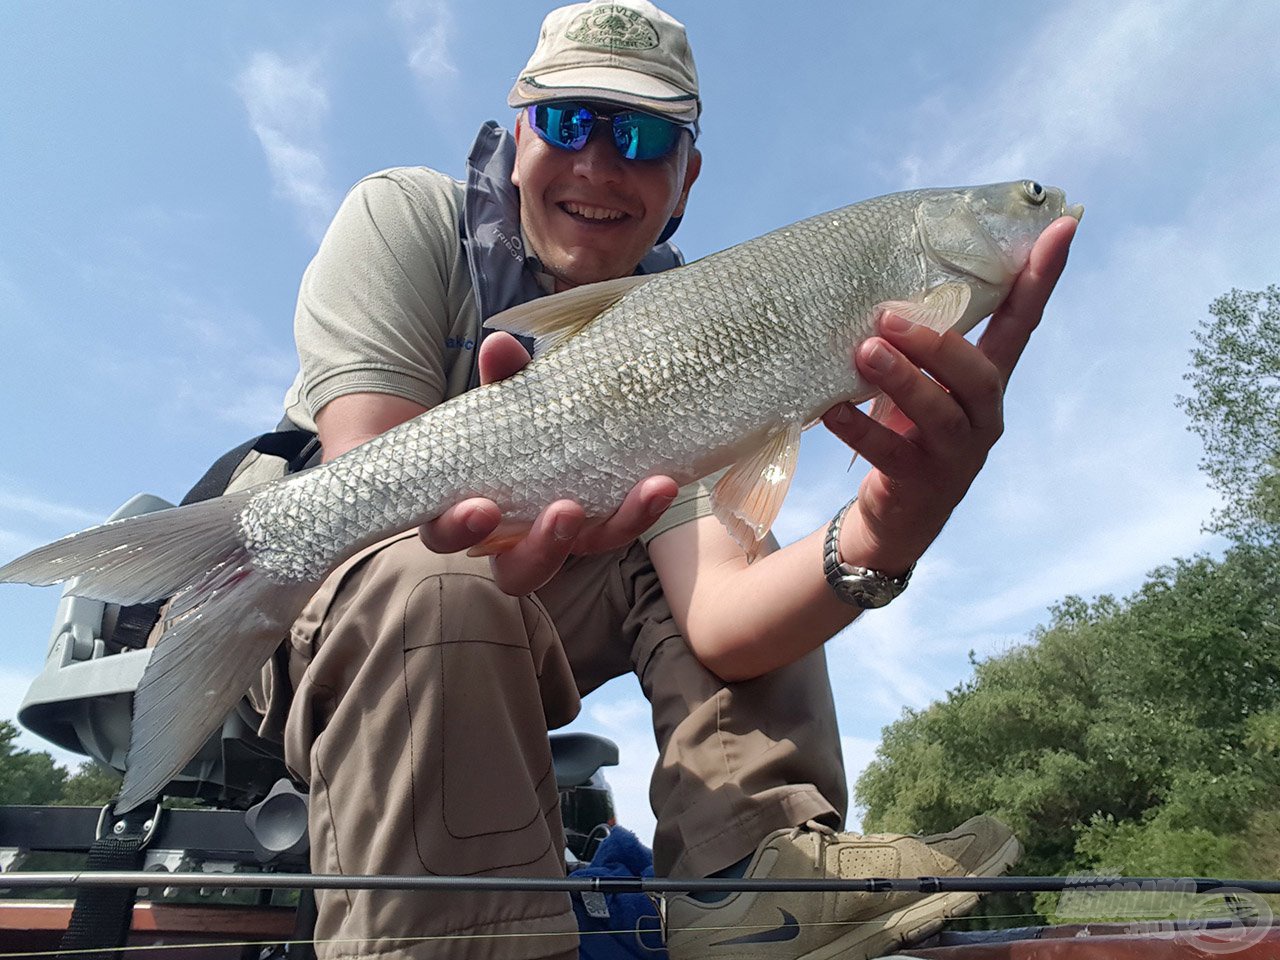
609 84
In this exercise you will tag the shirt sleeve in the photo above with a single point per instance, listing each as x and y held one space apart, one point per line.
376 303
692 501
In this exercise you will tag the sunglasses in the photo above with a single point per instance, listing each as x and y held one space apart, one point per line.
637 135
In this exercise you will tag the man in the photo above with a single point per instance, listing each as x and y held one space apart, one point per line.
422 682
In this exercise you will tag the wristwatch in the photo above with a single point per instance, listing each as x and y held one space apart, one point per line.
862 587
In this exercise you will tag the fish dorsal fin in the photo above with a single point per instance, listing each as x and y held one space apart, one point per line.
552 320
750 494
939 310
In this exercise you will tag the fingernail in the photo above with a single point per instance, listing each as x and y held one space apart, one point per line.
477 522
879 358
844 414
565 528
892 323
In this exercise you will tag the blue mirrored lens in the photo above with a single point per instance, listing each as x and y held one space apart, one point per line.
563 124
642 136
638 136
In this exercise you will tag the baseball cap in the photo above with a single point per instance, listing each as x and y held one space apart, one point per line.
629 53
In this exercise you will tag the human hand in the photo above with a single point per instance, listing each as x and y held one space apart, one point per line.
561 528
927 454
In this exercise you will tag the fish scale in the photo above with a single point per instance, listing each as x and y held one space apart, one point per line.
715 365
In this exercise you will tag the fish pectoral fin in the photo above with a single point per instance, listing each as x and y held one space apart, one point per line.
552 320
505 536
750 494
940 309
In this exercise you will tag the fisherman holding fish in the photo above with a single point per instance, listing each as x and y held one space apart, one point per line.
420 683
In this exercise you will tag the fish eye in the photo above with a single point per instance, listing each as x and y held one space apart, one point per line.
1035 193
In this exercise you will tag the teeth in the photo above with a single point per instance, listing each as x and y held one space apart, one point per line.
593 213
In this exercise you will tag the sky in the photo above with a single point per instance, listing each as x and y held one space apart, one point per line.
166 172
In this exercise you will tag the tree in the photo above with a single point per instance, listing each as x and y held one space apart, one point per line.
26 776
1139 736
1235 408
91 786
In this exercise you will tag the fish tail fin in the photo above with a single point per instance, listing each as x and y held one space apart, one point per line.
217 636
224 621
146 557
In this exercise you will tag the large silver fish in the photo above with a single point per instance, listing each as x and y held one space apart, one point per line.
718 364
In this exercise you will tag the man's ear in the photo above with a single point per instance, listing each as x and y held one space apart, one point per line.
691 171
515 169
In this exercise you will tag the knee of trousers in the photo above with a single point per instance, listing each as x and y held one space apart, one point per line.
429 689
398 622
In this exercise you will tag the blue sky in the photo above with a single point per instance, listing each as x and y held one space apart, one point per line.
166 172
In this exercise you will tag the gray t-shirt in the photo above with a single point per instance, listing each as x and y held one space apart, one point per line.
386 306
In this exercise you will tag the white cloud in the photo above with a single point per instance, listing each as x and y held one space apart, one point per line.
210 361
1104 556
876 663
1093 83
28 521
428 34
287 106
46 512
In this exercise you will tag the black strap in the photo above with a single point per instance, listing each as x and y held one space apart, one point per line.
102 916
289 445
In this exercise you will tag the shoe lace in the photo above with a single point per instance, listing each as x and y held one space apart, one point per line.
824 833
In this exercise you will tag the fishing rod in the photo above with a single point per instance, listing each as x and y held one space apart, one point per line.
314 881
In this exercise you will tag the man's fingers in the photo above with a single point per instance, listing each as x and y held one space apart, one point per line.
883 448
501 355
643 505
1011 327
536 559
462 526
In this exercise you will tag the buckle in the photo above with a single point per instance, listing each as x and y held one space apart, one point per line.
120 827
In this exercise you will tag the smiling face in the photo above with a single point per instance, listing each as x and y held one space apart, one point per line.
590 215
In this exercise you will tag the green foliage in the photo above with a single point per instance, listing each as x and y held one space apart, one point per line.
1139 736
27 777
32 777
1235 408
91 786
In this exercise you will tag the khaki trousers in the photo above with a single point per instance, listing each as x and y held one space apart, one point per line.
418 701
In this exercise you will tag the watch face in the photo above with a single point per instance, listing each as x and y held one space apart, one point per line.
865 592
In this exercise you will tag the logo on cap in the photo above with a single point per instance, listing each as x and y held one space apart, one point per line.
613 27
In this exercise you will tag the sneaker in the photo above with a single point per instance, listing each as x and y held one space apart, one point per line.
851 926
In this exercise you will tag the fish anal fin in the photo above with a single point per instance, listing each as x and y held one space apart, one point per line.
940 309
505 536
882 409
552 320
750 494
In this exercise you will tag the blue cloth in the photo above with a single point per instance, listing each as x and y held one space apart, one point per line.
633 917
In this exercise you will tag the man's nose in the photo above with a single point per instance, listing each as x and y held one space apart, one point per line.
599 160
